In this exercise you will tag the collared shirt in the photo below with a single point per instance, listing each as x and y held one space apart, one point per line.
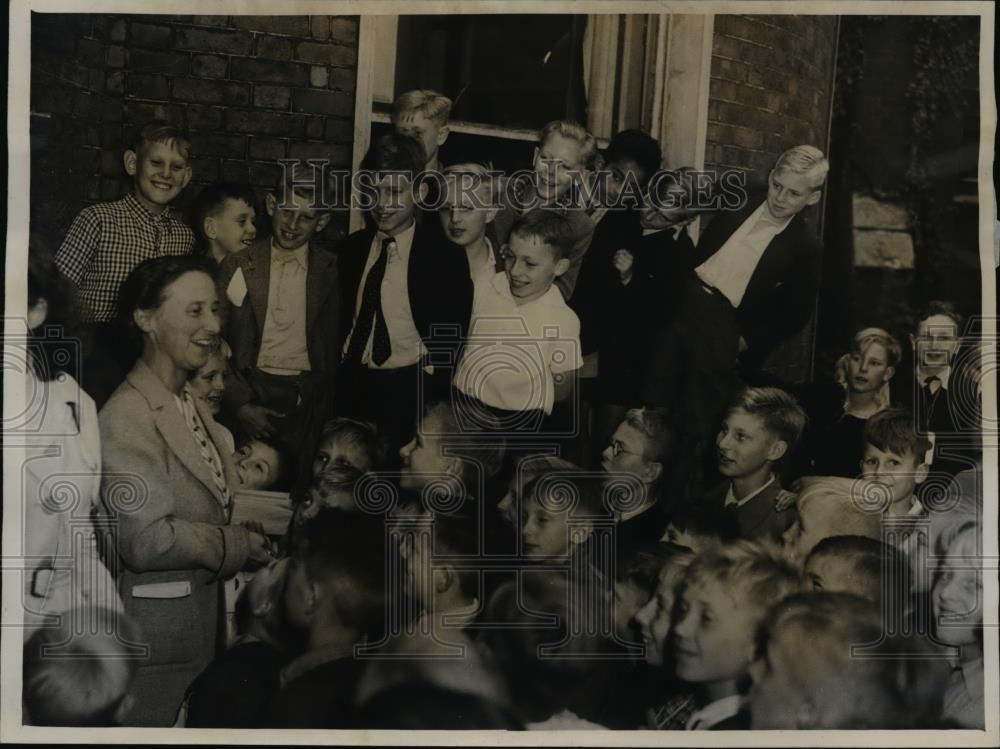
729 270
283 346
943 377
629 514
514 350
732 501
106 241
714 713
407 346
485 271
311 659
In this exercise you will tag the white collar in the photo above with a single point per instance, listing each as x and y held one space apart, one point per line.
299 253
501 284
943 376
715 712
402 241
731 495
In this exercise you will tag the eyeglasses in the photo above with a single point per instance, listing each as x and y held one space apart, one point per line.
617 448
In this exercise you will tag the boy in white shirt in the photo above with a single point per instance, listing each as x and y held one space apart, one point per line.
524 341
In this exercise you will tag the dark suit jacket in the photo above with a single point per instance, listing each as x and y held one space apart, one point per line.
440 288
245 323
757 520
781 293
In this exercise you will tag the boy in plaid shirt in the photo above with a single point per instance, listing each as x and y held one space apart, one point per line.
107 240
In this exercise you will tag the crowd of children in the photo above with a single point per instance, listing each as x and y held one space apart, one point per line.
537 476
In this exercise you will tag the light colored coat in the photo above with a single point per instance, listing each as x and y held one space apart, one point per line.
171 535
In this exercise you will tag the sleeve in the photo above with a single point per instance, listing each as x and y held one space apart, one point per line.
140 496
79 246
565 353
238 391
583 231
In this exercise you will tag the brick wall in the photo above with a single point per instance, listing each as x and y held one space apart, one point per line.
249 89
770 89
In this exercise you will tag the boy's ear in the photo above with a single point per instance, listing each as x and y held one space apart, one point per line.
920 474
579 534
270 204
322 221
422 192
38 313
889 372
210 227
131 160
777 451
443 578
654 470
562 265
443 133
814 198
187 176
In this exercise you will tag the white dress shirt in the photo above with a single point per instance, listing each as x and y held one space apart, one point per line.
729 270
283 346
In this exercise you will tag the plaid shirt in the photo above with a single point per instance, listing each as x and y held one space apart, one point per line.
104 244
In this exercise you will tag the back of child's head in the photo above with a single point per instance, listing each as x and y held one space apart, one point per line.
394 152
547 227
361 436
432 105
807 160
894 431
211 201
470 434
344 553
753 573
780 412
161 131
838 506
74 678
545 644
456 535
638 146
659 431
589 157
840 669
855 564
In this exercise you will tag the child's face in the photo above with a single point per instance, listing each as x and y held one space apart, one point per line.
544 532
532 266
898 474
556 159
957 598
713 635
232 229
624 454
936 342
295 222
654 618
779 673
667 211
423 457
208 384
624 171
788 193
869 369
462 218
745 445
813 521
507 506
832 574
337 451
395 205
430 134
629 600
257 465
159 174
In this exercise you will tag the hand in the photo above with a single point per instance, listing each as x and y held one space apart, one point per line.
784 500
261 551
256 420
623 260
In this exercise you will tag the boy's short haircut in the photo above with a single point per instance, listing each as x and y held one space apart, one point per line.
589 155
581 494
877 692
84 682
161 131
780 411
642 568
394 152
867 336
892 430
212 199
432 105
362 434
482 452
346 551
661 435
866 556
475 175
547 226
805 159
638 146
939 307
755 571
306 180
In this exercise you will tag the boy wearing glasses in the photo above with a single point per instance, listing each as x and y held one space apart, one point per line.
644 446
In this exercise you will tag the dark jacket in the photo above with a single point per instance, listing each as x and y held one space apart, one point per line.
781 293
757 519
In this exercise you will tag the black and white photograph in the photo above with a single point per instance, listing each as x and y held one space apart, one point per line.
564 373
